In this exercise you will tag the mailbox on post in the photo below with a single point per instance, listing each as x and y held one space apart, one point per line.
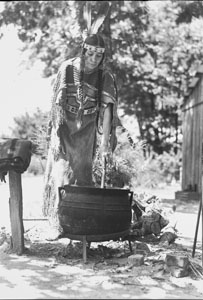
15 156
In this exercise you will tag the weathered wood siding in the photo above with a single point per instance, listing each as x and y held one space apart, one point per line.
193 135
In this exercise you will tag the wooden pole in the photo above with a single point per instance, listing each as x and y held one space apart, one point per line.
202 221
16 212
103 172
197 226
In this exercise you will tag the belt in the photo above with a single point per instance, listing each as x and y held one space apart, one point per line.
74 109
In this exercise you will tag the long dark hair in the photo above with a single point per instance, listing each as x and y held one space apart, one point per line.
97 41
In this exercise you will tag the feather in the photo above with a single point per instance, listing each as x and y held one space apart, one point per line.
101 17
87 15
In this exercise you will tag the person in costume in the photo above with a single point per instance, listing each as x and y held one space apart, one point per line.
84 104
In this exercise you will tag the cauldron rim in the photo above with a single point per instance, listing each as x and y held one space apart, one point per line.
92 189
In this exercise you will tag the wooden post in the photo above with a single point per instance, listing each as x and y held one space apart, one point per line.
16 212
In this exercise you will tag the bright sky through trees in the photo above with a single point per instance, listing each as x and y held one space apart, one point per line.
21 90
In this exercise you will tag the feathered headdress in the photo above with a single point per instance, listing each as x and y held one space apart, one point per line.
92 28
92 41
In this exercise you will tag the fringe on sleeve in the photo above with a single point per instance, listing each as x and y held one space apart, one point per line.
57 114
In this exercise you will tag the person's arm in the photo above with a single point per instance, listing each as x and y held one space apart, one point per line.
109 103
107 121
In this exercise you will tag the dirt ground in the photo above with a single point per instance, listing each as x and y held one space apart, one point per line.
56 270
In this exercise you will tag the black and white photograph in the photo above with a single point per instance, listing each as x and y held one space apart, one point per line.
101 149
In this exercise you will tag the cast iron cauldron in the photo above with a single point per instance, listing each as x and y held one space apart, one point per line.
98 213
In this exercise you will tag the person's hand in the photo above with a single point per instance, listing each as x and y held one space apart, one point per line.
2 176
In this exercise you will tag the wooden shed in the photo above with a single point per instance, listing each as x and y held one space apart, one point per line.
192 126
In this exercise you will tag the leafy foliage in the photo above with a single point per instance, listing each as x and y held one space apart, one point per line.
189 10
123 166
157 81
33 128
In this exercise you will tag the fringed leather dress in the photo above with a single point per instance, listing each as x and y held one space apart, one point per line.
72 148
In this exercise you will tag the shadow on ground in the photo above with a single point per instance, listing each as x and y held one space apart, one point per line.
56 271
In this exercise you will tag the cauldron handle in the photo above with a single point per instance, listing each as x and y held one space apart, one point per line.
103 171
131 197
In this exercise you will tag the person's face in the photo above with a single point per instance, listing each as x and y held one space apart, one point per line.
92 59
